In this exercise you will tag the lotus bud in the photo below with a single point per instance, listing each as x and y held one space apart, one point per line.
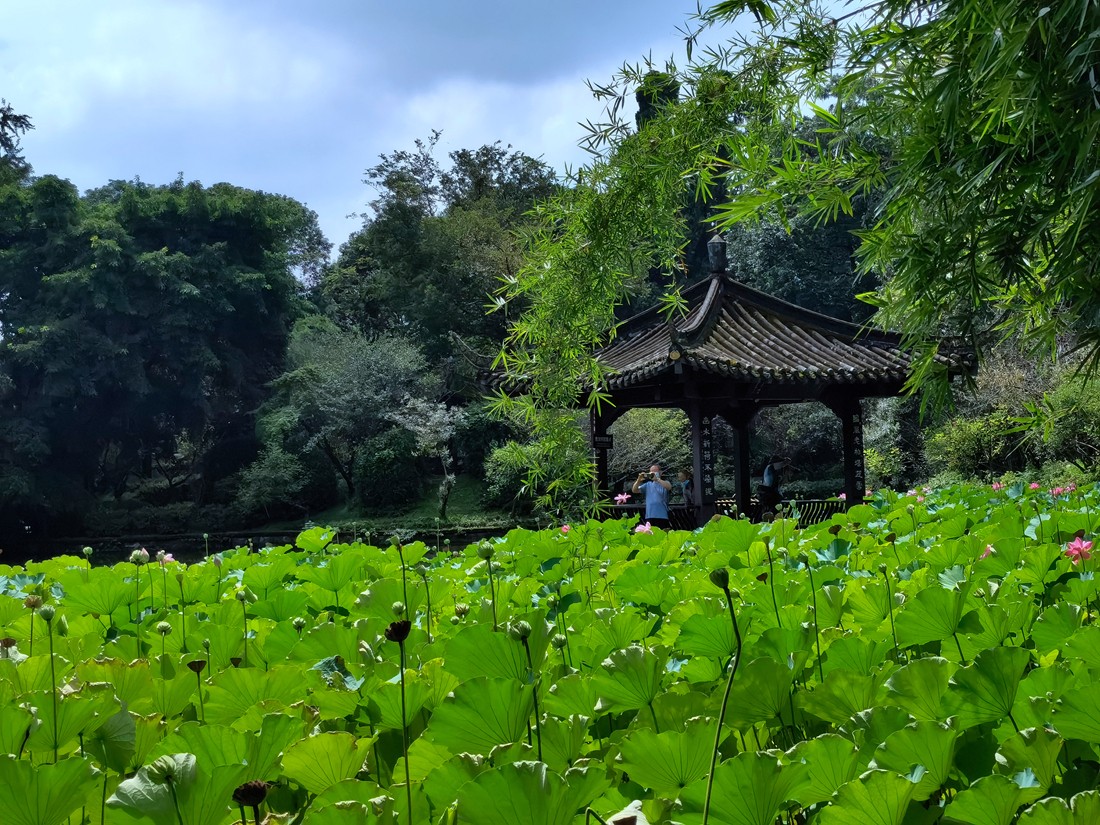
485 550
217 560
32 602
242 595
720 578
558 641
63 625
47 611
179 577
804 559
164 628
206 537
399 631
206 645
552 602
446 542
299 624
251 794
735 593
519 631
461 609
455 620
882 569
398 609
87 552
909 509
161 556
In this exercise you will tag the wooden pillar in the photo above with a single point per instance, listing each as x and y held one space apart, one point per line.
850 413
702 458
601 443
739 418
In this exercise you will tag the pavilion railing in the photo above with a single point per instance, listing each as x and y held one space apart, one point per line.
810 510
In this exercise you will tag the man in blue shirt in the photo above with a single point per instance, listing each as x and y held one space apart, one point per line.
656 491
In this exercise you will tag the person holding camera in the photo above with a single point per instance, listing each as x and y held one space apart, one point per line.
656 491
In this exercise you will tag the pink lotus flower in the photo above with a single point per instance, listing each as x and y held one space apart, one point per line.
843 496
910 492
622 498
867 493
1071 487
1057 491
217 559
1078 549
164 558
920 499
926 490
1034 485
989 551
644 528
997 486
565 528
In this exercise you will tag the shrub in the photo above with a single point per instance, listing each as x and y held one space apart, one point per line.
387 473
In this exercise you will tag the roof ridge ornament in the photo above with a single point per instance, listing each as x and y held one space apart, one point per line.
716 252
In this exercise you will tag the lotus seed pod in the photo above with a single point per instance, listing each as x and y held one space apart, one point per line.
251 794
398 631
804 559
485 550
47 611
558 641
519 630
720 578
162 770
735 593
163 628
461 609
32 602
398 609
909 509
197 666
206 537
446 542
7 643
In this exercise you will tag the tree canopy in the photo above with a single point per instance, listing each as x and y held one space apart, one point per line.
964 131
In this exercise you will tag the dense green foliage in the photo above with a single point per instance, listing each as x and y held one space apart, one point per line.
141 326
923 658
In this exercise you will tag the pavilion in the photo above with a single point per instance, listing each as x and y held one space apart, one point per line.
737 350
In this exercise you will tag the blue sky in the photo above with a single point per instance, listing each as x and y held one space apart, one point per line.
300 98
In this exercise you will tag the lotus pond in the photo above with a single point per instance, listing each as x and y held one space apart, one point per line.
922 658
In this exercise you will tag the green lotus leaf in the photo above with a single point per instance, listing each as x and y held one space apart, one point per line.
113 744
872 727
707 636
1075 715
929 745
315 539
203 794
563 741
829 761
443 783
530 793
319 762
869 603
750 789
99 590
985 690
16 723
629 679
334 573
385 702
43 794
1038 693
76 713
573 695
485 713
761 692
477 651
214 745
919 687
668 762
132 683
281 605
1036 749
1055 626
325 641
1084 644
841 696
235 691
858 654
992 800
932 615
876 798
644 584
261 579
1082 809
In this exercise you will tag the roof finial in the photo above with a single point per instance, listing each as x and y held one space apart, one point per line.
716 251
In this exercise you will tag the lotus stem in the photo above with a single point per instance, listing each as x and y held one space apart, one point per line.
53 685
817 632
890 608
721 579
771 582
958 645
492 592
405 733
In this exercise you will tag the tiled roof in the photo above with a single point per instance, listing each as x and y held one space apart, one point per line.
733 330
